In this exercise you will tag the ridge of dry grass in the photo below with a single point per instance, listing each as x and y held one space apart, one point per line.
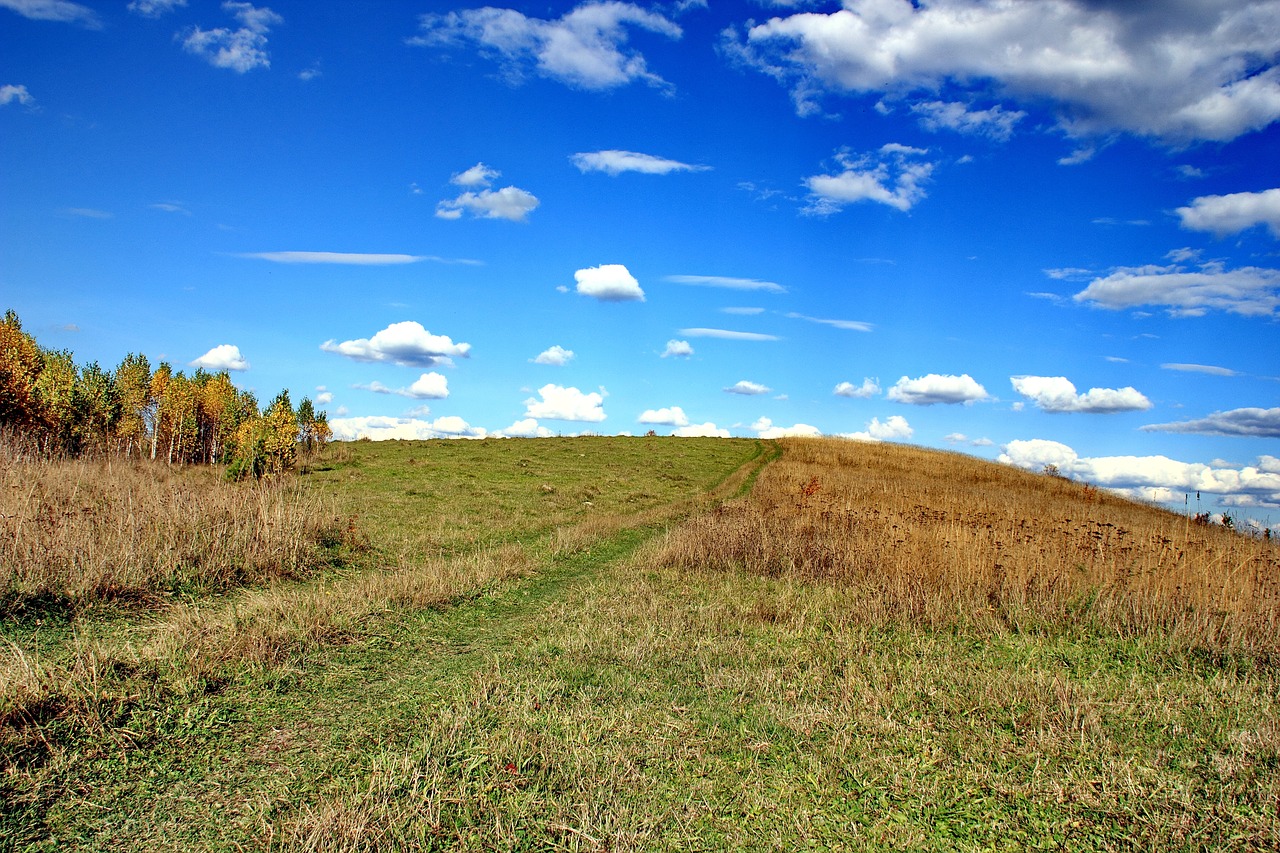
938 539
77 532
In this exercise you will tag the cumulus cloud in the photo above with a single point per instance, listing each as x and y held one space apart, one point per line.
478 175
727 282
1150 477
1248 422
1058 394
749 389
154 8
707 430
406 343
510 203
565 404
847 325
222 357
405 429
62 11
677 349
895 427
609 283
1178 72
673 416
324 397
893 176
524 428
613 162
1248 291
728 335
934 388
869 388
428 386
10 94
557 356
241 50
995 123
1228 214
765 428
584 48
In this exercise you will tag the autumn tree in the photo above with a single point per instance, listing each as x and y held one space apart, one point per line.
133 395
21 361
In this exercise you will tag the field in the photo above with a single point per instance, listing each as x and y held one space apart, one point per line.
629 644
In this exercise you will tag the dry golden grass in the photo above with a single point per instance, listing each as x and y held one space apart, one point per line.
82 531
942 539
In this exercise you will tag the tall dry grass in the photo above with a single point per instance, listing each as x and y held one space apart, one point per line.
74 532
943 539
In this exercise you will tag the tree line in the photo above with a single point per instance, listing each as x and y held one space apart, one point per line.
62 409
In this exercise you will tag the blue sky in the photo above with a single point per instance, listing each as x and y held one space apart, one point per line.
1041 232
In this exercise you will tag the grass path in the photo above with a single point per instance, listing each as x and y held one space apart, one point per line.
223 770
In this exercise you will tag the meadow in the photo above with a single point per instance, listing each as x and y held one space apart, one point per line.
628 644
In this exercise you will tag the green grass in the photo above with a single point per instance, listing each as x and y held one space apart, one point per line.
597 700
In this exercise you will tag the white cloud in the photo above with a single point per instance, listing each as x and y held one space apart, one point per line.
677 349
742 311
614 162
478 175
170 207
222 357
995 123
428 386
961 438
609 283
10 94
728 335
565 404
673 416
324 398
583 48
726 282
90 213
869 388
747 388
765 429
707 430
240 50
524 428
1209 369
511 203
847 325
406 343
1150 477
934 388
1249 291
1178 72
895 426
405 429
154 8
359 259
1248 422
556 356
62 11
890 176
1227 214
1058 394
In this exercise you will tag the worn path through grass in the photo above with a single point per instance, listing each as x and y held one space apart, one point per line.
231 768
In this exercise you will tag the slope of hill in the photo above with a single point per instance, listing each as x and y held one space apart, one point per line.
591 644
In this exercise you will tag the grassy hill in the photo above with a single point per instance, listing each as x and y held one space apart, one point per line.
616 644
